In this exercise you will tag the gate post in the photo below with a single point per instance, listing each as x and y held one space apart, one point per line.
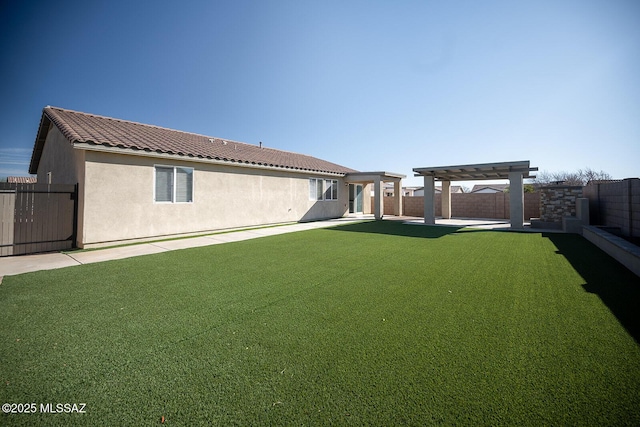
74 240
7 218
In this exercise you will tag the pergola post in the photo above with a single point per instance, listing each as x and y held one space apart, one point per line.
446 199
516 200
429 200
378 209
377 179
397 201
516 172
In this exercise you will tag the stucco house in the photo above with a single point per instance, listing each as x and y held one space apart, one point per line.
138 181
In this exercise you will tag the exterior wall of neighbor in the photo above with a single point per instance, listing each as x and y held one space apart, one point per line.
119 198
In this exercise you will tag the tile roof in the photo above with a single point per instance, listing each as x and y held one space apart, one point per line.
22 179
452 189
97 130
497 187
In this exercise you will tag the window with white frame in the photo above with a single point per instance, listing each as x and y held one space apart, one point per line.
173 184
331 189
321 189
315 189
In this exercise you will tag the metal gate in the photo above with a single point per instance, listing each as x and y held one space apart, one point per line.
37 218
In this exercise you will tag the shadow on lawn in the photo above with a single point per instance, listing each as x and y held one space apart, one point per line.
616 286
396 228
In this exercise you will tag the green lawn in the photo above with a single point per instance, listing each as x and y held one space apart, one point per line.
375 323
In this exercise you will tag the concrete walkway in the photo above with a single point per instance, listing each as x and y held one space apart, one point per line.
28 263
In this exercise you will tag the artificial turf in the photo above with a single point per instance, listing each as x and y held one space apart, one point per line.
377 323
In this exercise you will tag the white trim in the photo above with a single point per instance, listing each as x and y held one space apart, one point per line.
174 184
333 197
317 181
155 180
313 185
323 183
355 197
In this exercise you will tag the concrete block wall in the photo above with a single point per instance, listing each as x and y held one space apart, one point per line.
480 205
413 205
591 192
616 204
469 205
558 201
531 205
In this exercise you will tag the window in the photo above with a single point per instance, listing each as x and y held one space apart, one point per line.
173 184
320 189
315 189
331 189
184 185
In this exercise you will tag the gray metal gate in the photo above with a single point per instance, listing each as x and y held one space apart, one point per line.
37 218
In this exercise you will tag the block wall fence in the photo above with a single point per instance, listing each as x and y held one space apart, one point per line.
469 205
615 204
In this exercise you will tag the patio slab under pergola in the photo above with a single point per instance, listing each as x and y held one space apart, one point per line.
515 172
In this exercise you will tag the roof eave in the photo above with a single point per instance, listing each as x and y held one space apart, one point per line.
372 176
189 158
38 146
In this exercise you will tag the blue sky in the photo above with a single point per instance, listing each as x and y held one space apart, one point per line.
373 85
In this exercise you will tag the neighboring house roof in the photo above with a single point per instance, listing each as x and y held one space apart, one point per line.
498 188
103 131
452 189
22 179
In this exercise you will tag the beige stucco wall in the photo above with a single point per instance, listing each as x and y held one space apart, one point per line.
60 159
367 202
118 198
